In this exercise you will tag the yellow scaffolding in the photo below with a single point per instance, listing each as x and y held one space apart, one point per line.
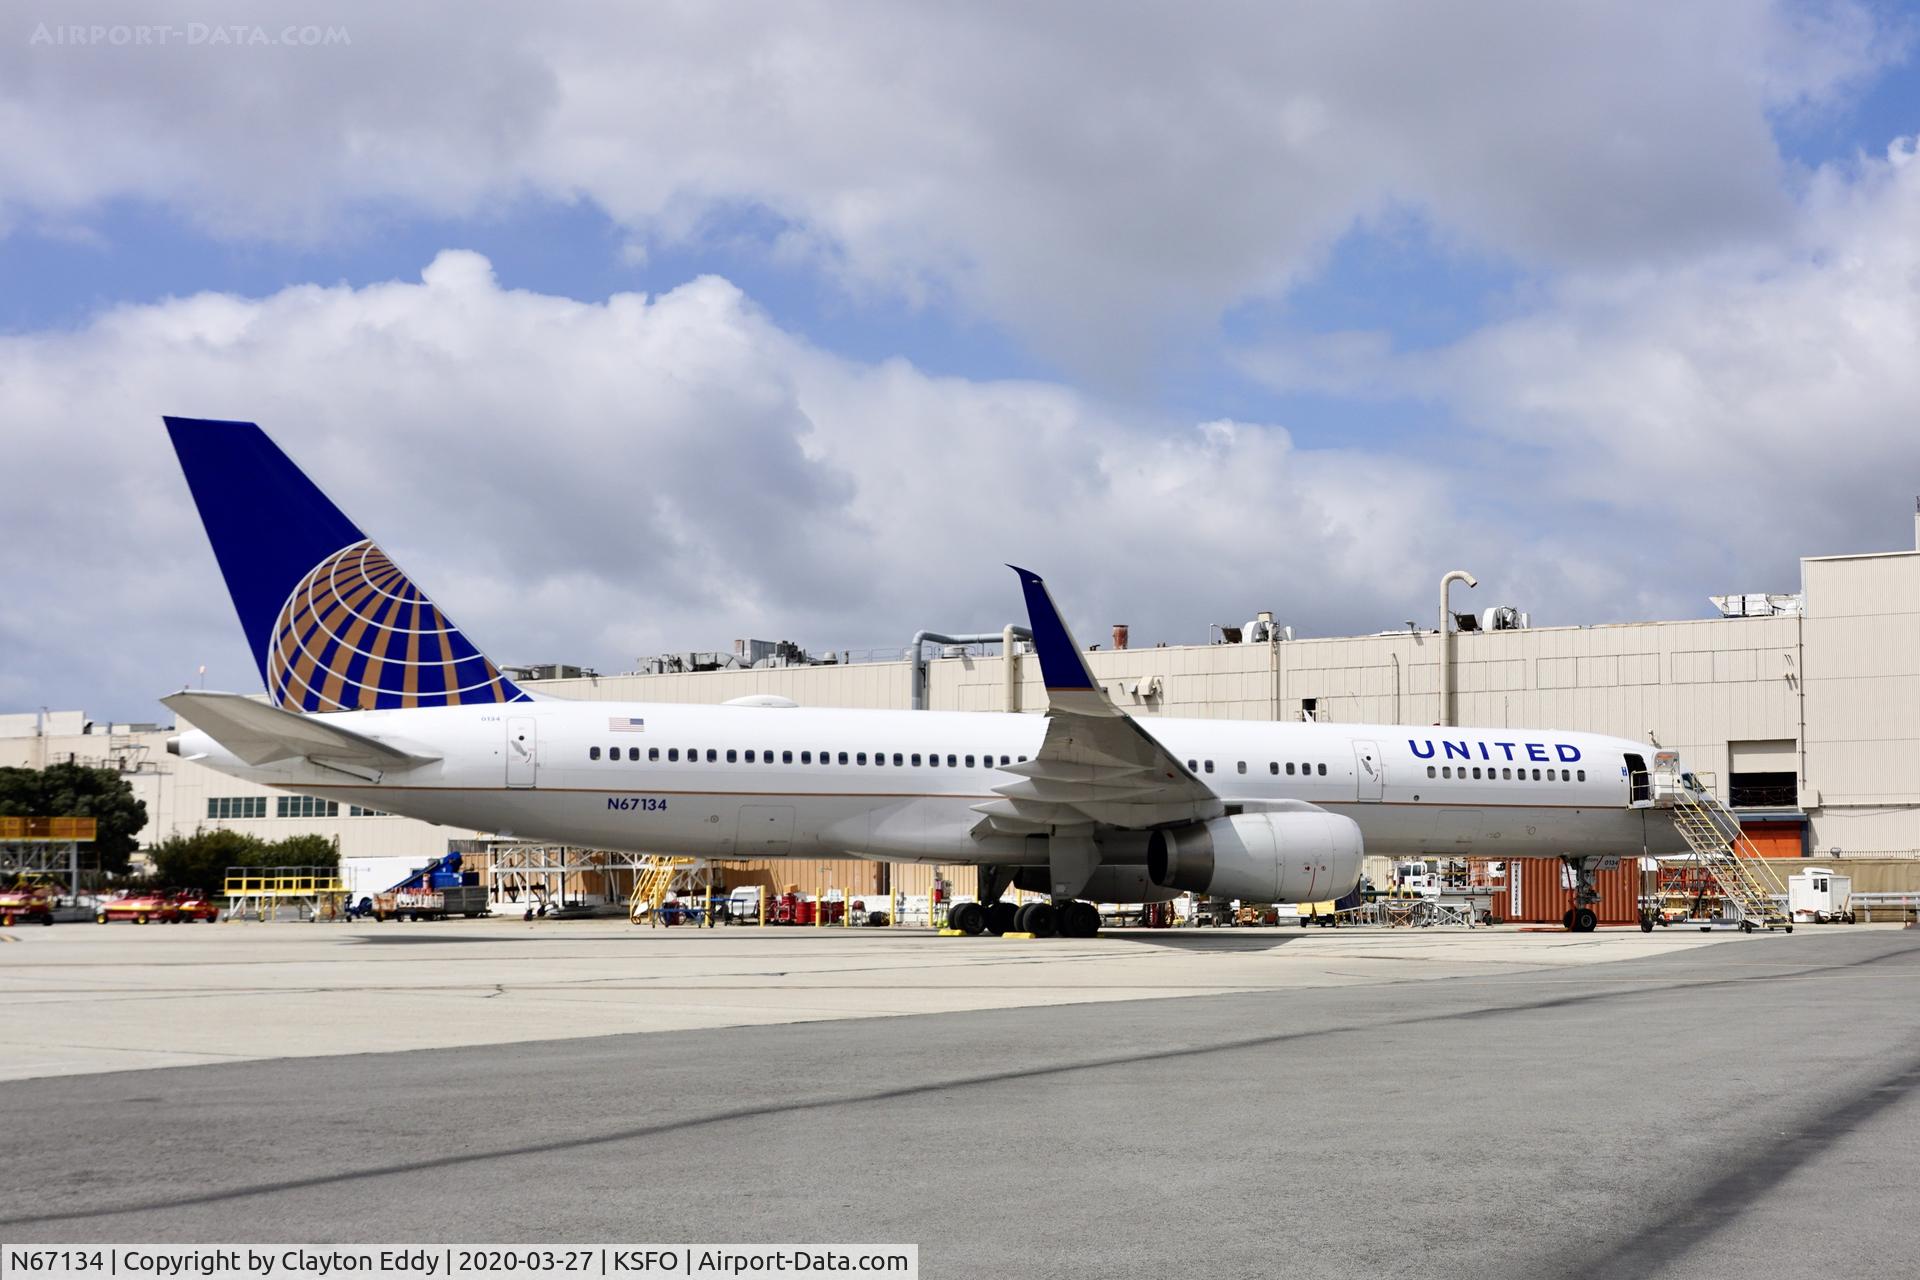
315 893
652 882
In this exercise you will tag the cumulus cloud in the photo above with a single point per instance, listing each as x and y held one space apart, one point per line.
1088 175
1728 414
592 482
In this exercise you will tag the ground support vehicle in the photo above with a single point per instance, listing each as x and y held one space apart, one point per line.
193 904
469 900
27 902
142 906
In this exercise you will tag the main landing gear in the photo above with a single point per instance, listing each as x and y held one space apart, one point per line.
1044 919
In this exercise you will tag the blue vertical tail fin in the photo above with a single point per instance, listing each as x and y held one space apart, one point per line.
332 622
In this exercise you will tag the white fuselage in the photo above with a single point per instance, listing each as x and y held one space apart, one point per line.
757 782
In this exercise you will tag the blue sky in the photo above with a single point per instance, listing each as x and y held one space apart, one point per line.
1233 317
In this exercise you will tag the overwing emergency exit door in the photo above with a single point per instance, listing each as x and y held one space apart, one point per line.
1367 770
523 751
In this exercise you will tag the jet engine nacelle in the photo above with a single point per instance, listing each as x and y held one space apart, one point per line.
1260 857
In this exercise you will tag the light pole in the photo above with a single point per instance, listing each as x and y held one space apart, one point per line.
1446 641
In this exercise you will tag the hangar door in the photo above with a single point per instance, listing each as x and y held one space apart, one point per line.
1775 839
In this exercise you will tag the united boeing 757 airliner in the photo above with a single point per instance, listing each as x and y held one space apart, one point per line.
375 697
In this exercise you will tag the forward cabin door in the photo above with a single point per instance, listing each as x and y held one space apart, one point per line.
523 751
1369 773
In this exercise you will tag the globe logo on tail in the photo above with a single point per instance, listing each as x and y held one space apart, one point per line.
356 634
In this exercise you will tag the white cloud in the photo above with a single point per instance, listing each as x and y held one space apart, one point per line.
1721 416
593 482
1089 175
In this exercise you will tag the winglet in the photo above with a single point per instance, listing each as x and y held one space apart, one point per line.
1061 666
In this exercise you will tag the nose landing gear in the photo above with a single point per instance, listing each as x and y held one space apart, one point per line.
1581 917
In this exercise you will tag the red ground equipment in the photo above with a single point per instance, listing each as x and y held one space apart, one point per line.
26 900
139 906
193 904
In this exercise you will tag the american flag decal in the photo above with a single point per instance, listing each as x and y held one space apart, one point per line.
626 724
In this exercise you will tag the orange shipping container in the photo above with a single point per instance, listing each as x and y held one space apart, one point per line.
1540 891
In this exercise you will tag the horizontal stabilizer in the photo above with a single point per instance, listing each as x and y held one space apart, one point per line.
259 733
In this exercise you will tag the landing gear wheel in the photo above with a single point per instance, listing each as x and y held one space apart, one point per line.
1036 918
1079 920
1584 921
1000 918
969 918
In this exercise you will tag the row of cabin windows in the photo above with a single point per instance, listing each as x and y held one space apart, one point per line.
1273 767
901 759
1505 773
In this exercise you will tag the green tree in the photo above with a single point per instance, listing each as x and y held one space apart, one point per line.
200 860
307 850
76 791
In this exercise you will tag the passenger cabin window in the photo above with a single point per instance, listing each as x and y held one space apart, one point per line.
633 754
1583 774
732 756
593 753
1323 771
843 758
861 758
897 759
673 755
653 755
712 755
1243 766
951 761
806 757
1431 772
1273 766
1209 766
786 757
916 759
1289 768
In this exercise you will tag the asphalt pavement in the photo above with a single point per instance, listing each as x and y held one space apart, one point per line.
1742 1109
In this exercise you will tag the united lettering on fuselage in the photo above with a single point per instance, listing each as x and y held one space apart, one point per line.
1480 749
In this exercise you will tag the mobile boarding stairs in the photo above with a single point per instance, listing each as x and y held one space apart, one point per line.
1754 892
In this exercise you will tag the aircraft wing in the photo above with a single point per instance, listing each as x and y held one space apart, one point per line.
1096 766
260 733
